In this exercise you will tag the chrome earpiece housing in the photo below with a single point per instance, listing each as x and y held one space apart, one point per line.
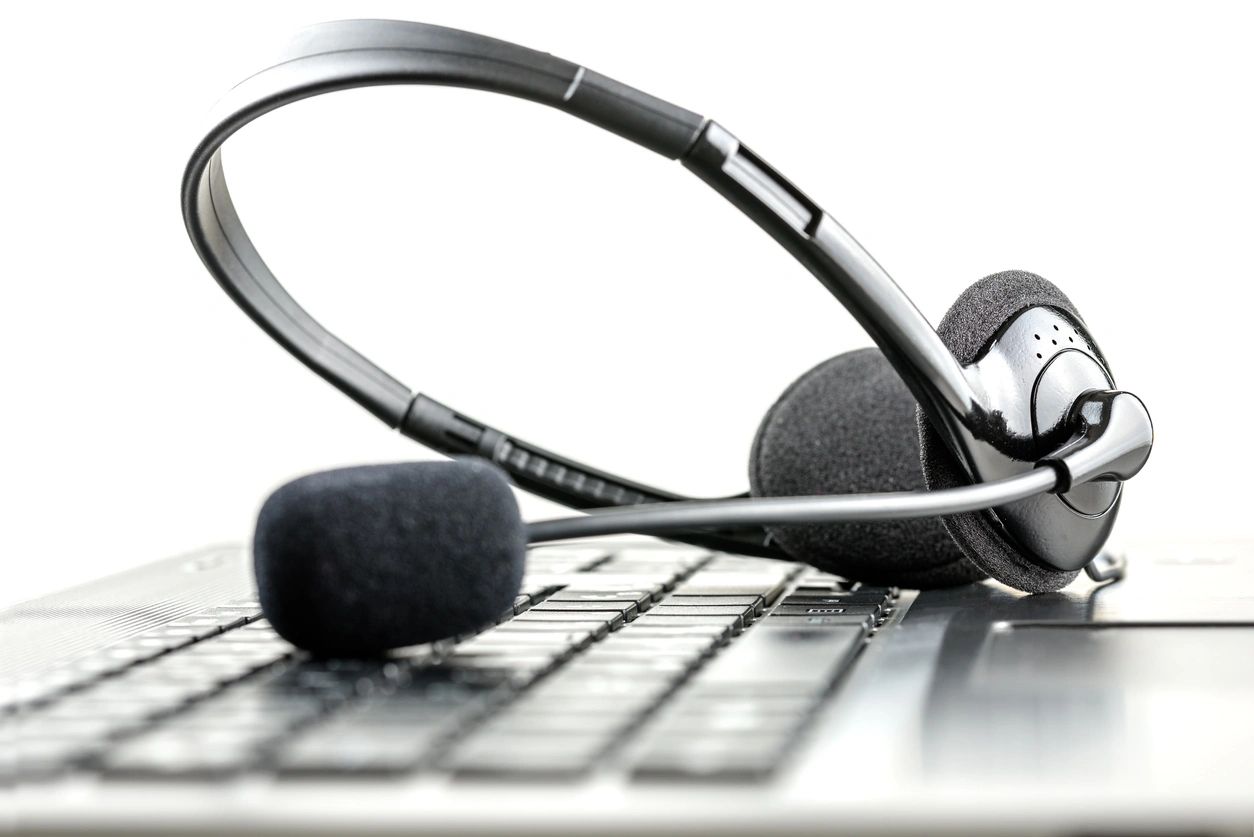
1034 369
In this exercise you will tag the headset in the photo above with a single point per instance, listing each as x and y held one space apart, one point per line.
994 445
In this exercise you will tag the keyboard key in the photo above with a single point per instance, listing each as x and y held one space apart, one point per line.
864 621
353 747
652 619
641 598
41 689
660 576
595 629
506 639
710 585
651 646
599 584
562 558
715 633
600 685
183 754
39 758
627 609
229 713
717 600
826 610
737 757
637 665
516 670
445 685
743 613
731 716
886 592
609 725
805 661
835 598
611 619
543 755
554 645
690 703
640 670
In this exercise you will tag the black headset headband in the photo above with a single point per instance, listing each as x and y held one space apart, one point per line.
343 55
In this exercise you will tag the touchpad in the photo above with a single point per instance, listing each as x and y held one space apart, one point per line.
1111 698
1041 659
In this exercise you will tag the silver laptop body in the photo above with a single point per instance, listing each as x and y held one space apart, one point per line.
158 701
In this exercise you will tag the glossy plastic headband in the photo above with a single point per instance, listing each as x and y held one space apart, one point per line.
349 54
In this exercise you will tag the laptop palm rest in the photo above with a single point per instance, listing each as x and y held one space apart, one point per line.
1137 702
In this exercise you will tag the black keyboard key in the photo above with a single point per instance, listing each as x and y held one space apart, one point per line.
717 600
609 725
349 746
864 621
524 641
640 671
690 703
835 598
826 610
41 758
642 598
655 646
626 608
600 584
768 590
713 633
734 716
611 619
517 625
886 592
596 685
208 624
626 705
564 558
744 613
227 714
719 758
513 669
635 664
196 753
552 652
803 661
447 685
768 583
526 756
653 619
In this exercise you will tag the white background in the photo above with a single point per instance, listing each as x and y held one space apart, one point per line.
574 289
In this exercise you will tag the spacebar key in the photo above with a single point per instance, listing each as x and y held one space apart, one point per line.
795 661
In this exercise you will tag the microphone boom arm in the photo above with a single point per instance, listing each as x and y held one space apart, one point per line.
761 511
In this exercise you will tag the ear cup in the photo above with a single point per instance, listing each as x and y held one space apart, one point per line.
848 426
966 329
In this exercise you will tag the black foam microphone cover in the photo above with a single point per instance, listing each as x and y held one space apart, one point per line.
356 561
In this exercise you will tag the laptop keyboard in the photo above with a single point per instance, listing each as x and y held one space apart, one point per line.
665 663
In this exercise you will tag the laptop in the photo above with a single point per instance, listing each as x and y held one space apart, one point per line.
640 687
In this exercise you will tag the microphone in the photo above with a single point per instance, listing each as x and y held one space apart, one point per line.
356 561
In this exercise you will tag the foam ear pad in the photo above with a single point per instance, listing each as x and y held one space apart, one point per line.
848 426
968 326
